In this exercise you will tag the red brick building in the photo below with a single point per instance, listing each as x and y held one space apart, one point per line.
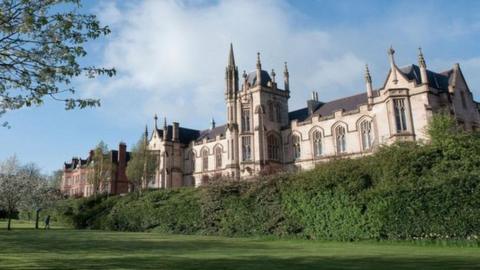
75 174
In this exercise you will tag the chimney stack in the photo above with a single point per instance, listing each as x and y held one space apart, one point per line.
313 103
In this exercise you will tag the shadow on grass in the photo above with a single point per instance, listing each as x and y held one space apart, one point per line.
253 263
70 249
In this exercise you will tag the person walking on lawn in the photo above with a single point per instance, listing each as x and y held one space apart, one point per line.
47 222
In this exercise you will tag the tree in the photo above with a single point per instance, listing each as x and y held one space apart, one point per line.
142 166
13 187
41 43
102 168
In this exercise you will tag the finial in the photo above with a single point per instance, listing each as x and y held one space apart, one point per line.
368 78
259 64
155 120
244 75
146 132
391 51
273 75
286 68
421 59
165 122
212 123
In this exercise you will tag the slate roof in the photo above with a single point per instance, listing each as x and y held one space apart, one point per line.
212 133
252 78
436 80
185 135
299 115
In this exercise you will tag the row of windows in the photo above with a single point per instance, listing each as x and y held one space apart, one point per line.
317 144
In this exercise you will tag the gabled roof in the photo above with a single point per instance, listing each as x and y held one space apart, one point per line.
435 80
252 78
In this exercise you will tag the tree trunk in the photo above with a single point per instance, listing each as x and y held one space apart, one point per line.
9 222
37 217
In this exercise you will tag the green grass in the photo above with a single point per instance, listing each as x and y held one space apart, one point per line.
25 248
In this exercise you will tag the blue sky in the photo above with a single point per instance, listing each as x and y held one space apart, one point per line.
170 57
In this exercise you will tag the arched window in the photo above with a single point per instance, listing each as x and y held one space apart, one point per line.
296 146
366 133
271 114
340 139
246 148
246 120
317 143
273 145
400 117
205 160
218 157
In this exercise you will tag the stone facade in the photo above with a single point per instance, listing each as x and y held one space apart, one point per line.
262 136
75 174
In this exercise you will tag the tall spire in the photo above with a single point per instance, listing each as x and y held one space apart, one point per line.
286 78
231 75
368 82
393 67
231 57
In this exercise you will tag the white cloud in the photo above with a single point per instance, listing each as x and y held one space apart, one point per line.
171 57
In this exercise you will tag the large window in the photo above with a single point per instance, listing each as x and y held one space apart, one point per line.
278 110
296 146
218 157
271 114
246 148
340 139
245 120
273 145
205 160
366 133
317 143
400 118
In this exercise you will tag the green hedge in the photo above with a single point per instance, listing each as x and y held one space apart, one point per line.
403 191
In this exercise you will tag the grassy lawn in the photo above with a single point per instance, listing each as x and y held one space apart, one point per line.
24 248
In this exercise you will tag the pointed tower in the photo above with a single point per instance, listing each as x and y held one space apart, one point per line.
368 82
231 75
286 78
423 67
393 67
231 89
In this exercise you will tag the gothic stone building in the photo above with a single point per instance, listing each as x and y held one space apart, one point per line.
262 135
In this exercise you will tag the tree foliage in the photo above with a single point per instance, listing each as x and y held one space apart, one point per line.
41 43
101 168
142 165
23 187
